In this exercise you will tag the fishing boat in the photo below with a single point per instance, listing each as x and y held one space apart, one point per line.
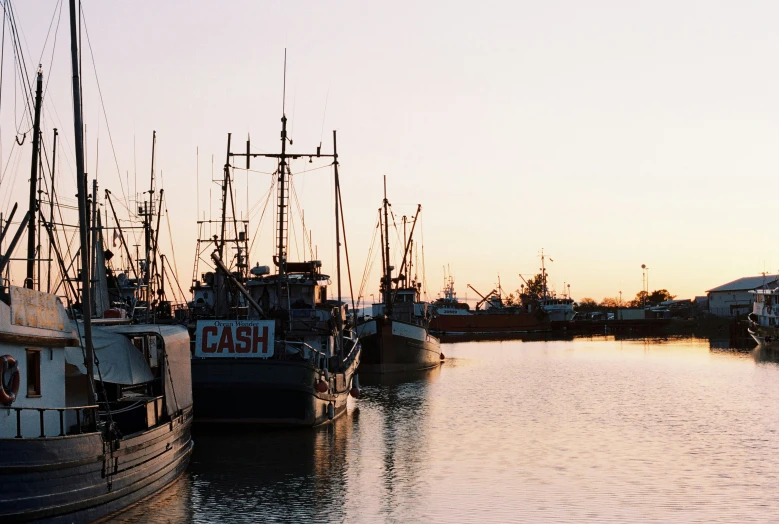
453 318
560 309
397 338
764 319
272 349
92 418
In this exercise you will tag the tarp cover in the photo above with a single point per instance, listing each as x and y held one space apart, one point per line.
120 361
177 370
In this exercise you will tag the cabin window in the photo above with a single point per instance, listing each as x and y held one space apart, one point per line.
33 372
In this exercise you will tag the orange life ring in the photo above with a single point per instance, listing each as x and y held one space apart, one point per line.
8 391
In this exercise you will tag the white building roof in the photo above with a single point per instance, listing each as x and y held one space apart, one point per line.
747 284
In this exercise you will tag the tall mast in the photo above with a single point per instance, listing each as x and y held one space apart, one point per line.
282 248
338 242
388 268
36 134
51 207
86 300
148 213
405 242
225 183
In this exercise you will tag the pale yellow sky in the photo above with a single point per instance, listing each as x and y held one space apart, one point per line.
610 134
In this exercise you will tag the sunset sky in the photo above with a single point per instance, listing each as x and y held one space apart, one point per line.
610 134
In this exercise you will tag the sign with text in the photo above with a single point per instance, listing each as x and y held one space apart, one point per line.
234 338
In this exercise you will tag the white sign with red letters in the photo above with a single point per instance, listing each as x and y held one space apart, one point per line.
234 338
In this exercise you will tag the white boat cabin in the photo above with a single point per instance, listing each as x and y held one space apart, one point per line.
765 307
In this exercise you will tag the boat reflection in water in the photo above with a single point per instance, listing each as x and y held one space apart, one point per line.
369 464
276 475
768 354
395 415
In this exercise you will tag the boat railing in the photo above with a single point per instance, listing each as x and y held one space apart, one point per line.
86 419
318 357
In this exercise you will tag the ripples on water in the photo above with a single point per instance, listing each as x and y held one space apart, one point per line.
594 430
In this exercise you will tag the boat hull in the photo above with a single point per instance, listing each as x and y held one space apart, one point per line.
79 479
765 336
485 323
266 392
391 346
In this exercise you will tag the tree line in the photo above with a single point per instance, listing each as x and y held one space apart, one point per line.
534 289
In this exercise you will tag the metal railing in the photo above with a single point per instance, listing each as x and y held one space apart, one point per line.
318 358
86 419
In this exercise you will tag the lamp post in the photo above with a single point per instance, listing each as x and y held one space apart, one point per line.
644 284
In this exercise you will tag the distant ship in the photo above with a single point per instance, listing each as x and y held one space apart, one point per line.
397 337
453 318
560 309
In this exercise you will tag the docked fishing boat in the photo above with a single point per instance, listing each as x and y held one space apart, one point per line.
764 318
92 418
397 338
272 349
64 456
559 309
454 319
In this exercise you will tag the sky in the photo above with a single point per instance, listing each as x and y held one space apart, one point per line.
609 134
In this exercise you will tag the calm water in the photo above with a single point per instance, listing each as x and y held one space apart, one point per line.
592 430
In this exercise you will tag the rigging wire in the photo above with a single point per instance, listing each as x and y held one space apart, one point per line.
102 105
264 208
370 260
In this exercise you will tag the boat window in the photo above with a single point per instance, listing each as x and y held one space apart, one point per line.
33 372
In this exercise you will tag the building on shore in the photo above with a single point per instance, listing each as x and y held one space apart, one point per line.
734 298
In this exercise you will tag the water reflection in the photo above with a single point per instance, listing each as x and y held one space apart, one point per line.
589 430
399 408
282 472
764 354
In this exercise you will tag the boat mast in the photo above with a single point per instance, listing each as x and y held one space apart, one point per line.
51 207
225 182
387 268
36 134
147 218
86 300
338 243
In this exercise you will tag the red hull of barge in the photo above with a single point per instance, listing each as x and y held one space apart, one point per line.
489 323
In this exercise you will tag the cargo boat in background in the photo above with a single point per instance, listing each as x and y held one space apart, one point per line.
454 319
397 338
270 349
560 309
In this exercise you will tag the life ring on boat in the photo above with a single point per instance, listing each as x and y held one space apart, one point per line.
9 390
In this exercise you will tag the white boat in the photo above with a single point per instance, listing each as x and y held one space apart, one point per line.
764 318
558 309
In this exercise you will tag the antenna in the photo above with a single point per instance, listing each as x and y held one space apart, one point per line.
284 91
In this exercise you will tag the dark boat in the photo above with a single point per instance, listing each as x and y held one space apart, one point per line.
271 349
92 419
396 338
455 320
